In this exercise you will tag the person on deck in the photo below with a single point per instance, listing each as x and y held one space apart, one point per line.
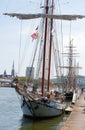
52 96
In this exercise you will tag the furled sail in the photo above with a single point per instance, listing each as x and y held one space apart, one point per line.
32 16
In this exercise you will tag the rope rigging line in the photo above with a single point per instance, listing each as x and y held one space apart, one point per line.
62 46
33 60
25 50
41 30
19 57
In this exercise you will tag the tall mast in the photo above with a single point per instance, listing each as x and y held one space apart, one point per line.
50 49
44 49
70 73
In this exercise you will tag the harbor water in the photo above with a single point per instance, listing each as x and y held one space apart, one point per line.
11 116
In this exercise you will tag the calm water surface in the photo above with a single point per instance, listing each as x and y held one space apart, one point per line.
11 116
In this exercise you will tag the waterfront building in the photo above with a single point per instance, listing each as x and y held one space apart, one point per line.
5 73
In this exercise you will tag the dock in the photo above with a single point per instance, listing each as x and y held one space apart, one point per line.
76 120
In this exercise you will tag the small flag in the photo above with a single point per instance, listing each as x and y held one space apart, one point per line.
34 35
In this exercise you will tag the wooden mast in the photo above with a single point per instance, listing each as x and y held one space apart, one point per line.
50 49
44 49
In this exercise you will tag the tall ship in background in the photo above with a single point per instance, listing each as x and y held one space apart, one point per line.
72 72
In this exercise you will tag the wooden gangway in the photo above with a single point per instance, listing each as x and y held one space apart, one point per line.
76 120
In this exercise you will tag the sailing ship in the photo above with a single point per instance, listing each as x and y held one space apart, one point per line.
40 105
72 72
71 89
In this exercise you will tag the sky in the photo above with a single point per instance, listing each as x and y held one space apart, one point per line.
10 31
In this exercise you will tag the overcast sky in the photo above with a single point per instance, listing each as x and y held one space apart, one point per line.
10 30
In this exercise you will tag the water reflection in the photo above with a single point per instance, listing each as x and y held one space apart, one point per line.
11 116
48 124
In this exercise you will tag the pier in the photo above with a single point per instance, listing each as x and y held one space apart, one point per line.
76 120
